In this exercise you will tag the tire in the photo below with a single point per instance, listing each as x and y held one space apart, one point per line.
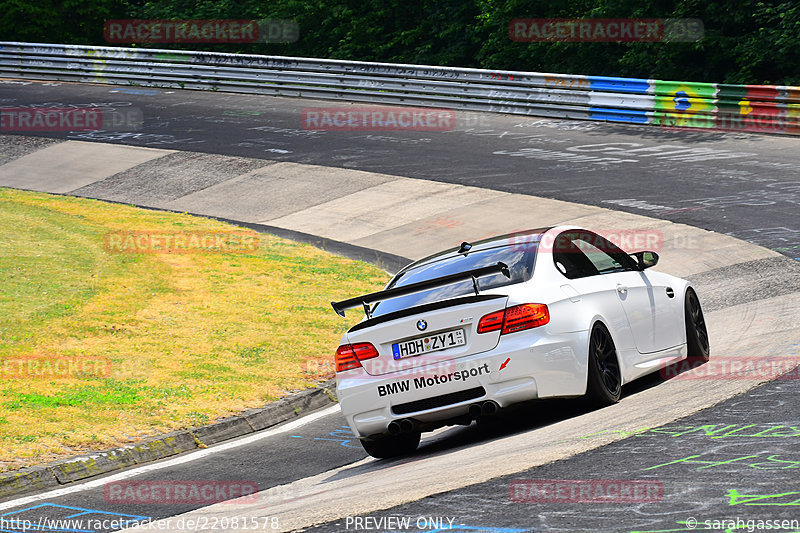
388 447
604 383
697 346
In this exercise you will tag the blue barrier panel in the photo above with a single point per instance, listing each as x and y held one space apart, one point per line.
619 85
618 115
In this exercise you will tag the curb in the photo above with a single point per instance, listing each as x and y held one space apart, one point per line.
94 464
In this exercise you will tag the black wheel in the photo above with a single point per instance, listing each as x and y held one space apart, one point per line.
696 333
392 446
604 385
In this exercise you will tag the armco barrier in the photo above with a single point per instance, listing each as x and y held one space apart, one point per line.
773 109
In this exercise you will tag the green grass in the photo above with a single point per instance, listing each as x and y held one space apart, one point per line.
166 340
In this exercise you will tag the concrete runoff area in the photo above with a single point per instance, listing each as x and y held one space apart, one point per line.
66 166
403 216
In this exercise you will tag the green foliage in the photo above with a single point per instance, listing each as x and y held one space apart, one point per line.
58 21
110 392
746 41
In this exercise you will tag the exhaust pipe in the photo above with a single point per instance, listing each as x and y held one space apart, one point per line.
398 427
475 411
483 409
407 425
489 408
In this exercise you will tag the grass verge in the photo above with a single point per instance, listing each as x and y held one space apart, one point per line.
104 340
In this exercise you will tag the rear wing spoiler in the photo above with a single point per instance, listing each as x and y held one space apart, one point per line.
367 299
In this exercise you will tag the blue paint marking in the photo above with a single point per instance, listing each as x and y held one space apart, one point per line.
681 100
460 528
344 443
146 92
486 529
32 521
618 85
343 436
618 115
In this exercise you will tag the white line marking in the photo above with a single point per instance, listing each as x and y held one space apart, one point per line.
192 456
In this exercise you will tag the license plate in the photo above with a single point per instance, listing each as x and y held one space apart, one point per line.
431 343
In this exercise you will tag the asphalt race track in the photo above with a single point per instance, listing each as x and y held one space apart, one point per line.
737 459
712 466
276 460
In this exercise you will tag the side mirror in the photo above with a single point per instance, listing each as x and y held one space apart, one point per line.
645 259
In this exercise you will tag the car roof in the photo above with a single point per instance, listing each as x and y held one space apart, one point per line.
509 239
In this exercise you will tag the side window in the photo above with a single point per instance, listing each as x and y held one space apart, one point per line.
570 260
603 262
582 253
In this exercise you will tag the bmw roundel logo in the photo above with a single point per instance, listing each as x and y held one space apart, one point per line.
422 325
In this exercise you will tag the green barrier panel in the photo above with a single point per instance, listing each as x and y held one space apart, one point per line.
684 97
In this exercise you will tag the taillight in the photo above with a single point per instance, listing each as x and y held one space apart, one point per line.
349 356
525 316
491 322
516 318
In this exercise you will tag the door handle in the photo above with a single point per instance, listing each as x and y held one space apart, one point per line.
670 292
622 289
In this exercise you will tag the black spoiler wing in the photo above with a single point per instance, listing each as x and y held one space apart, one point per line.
367 299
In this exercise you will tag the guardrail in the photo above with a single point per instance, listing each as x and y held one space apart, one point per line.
760 108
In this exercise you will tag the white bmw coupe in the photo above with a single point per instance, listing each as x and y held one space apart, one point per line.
550 312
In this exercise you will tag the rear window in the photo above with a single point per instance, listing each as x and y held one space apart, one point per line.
520 261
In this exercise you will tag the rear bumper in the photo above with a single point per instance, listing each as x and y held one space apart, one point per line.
535 367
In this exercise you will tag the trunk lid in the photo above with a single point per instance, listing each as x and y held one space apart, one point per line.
428 334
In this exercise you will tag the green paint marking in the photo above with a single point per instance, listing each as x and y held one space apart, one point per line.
617 431
709 464
735 430
713 464
772 462
793 464
170 56
715 431
795 432
735 498
686 459
682 522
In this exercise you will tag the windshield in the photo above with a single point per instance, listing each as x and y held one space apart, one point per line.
519 259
